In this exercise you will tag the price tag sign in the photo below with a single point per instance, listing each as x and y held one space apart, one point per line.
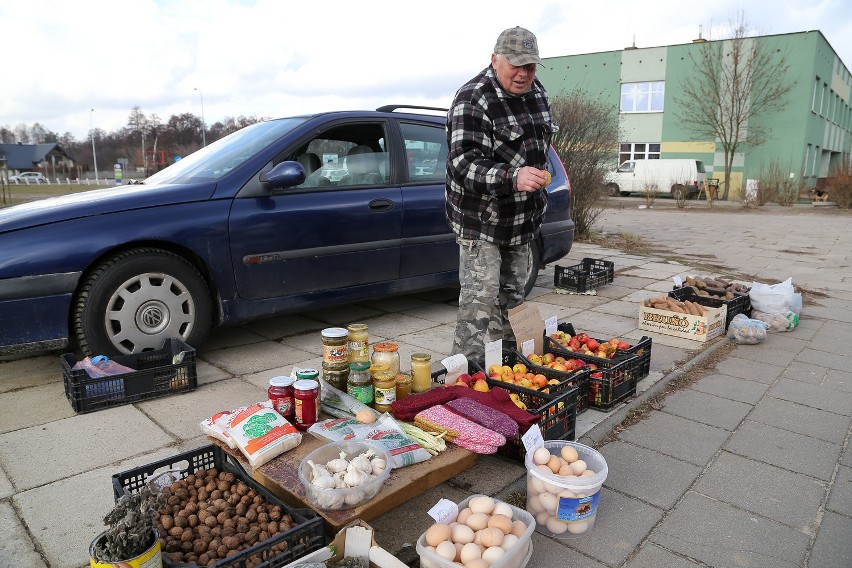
678 282
532 439
528 347
550 325
445 511
455 365
493 354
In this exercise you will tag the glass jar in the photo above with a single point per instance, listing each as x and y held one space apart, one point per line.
358 342
336 374
384 386
281 396
421 372
335 349
310 374
386 353
403 385
307 404
360 383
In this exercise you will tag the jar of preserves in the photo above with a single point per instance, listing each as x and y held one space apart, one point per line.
335 348
358 342
307 404
360 383
384 386
403 385
421 372
281 396
336 374
310 374
387 353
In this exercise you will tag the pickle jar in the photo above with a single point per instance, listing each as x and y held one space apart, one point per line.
358 342
386 353
335 348
384 386
421 372
336 375
403 385
360 383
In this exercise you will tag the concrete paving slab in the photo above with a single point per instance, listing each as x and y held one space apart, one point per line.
840 498
560 311
632 282
838 361
614 292
208 373
805 372
6 489
102 437
787 450
743 367
719 534
789 498
391 326
552 553
823 398
779 356
489 473
279 327
33 397
653 556
706 408
438 313
621 524
30 372
832 547
838 380
308 341
396 304
436 339
575 301
806 420
646 474
254 357
677 437
342 315
733 388
619 308
179 415
231 336
16 546
664 358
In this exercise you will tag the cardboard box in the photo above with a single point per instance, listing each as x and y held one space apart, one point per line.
355 539
527 324
696 328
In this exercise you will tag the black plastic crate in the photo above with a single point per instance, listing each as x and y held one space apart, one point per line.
157 373
738 305
304 537
588 275
640 349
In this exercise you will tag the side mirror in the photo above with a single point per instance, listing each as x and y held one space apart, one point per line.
285 174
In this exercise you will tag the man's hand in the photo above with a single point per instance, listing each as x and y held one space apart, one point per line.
532 179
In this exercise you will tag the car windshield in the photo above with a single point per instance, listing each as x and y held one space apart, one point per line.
214 161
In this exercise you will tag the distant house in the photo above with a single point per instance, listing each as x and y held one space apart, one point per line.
49 159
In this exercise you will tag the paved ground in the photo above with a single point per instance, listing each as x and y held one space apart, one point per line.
747 465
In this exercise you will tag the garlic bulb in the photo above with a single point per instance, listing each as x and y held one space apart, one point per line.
339 482
378 466
338 464
324 482
362 462
355 477
318 470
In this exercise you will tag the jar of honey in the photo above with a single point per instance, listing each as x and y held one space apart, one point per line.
403 385
421 372
358 342
387 353
384 386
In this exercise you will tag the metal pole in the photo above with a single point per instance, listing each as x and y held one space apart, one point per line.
203 137
94 155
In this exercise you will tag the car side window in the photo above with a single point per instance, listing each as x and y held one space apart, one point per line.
426 152
626 167
350 155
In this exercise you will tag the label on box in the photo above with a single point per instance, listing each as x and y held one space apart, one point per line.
577 509
528 347
444 511
532 439
493 354
550 325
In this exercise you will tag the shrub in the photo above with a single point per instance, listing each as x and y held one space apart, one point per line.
839 186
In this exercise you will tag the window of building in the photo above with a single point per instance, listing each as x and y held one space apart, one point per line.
814 162
638 151
817 83
805 164
643 97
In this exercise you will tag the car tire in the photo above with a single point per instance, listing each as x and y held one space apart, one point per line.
534 267
134 301
612 189
679 191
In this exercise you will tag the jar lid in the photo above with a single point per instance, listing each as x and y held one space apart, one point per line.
357 327
281 381
386 347
335 332
403 378
359 365
307 373
305 385
421 357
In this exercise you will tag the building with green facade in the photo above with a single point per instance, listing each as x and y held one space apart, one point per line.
810 137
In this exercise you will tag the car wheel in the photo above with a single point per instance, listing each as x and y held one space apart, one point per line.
136 300
679 191
534 266
612 189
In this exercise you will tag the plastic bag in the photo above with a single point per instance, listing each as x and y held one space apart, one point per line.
778 322
260 432
746 331
772 299
100 366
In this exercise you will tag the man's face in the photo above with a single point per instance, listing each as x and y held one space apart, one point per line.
516 80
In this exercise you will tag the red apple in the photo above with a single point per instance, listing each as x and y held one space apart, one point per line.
478 375
623 345
592 344
465 378
582 337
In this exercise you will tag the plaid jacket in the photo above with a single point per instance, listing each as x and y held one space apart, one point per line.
491 134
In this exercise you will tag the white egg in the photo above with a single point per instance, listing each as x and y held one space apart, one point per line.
492 554
567 494
578 527
556 526
541 456
549 503
534 484
579 467
534 503
470 552
569 454
483 504
588 473
462 534
477 521
508 541
541 518
446 550
501 508
551 488
544 469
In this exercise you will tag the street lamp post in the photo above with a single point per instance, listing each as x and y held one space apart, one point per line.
94 155
203 136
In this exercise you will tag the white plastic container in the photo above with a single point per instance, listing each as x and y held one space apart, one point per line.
334 499
565 507
516 557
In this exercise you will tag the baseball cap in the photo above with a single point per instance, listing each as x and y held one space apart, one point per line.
518 45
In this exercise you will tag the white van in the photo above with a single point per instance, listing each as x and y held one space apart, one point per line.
675 177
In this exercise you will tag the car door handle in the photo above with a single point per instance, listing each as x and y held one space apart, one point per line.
381 205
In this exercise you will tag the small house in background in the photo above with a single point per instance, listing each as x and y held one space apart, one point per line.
48 159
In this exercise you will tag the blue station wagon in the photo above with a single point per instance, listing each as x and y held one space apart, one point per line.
282 216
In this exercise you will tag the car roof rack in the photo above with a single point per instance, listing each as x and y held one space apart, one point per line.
391 108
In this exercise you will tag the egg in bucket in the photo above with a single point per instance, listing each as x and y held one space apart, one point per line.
564 480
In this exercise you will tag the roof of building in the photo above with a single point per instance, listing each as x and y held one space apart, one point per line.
27 156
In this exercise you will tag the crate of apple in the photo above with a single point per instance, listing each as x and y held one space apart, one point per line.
582 343
518 374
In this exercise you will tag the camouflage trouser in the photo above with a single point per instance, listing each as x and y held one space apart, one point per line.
492 282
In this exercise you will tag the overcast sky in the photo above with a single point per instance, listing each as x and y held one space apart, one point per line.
272 58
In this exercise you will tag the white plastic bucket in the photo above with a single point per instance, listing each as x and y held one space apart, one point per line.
563 506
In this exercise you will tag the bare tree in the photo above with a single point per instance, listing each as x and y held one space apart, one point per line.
740 79
585 141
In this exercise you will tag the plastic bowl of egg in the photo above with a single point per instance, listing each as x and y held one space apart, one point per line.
564 480
487 533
